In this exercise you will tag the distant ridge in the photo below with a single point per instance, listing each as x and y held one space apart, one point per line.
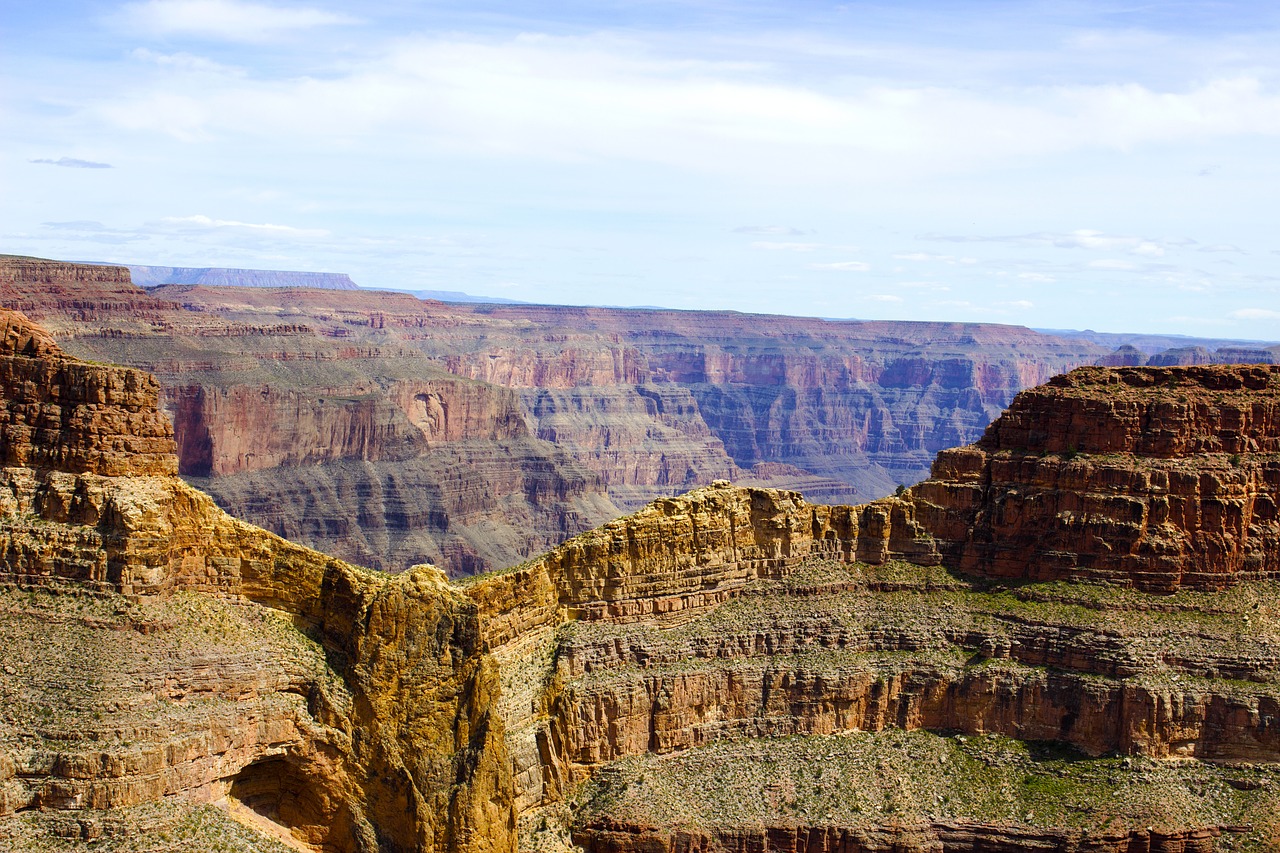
149 276
459 296
1151 344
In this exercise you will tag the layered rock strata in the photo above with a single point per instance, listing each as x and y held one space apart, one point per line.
1158 477
275 392
733 668
732 627
158 654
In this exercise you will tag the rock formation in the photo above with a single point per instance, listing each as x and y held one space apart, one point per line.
734 668
1162 478
158 654
371 424
739 669
366 449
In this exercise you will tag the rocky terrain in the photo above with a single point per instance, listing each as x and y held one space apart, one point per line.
943 670
391 431
166 669
1068 638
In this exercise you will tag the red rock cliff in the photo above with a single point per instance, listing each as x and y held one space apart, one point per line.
1157 477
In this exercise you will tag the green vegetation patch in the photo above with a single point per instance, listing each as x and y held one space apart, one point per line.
899 777
170 826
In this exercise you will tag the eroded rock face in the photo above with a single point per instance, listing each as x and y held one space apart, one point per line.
737 625
303 401
733 668
76 417
1158 477
192 656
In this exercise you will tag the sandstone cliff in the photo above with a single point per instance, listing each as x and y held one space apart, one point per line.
736 668
354 443
1157 477
159 654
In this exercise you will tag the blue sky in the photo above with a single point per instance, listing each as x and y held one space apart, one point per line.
1070 164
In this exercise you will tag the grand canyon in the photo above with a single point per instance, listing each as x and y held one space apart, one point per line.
344 571
391 431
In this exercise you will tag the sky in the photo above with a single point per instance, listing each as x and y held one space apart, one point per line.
1103 165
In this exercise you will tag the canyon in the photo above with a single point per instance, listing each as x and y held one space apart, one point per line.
1068 638
391 431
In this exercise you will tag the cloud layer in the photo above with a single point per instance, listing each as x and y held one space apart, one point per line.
1105 166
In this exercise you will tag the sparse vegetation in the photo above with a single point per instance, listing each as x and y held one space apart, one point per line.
864 779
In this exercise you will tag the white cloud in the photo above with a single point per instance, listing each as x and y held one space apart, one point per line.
883 297
930 256
204 223
1080 239
785 247
1017 305
769 229
842 266
184 62
1255 314
228 20
601 98
1036 277
72 163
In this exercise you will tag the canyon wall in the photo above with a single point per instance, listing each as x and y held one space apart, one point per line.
327 407
1158 477
744 627
731 668
354 443
159 655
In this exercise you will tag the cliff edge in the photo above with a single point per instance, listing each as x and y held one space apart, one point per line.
159 656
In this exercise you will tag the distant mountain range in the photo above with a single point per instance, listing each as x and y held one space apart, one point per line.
459 296
149 276
1152 344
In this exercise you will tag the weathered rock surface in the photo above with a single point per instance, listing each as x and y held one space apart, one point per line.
1157 477
157 654
732 627
734 668
641 403
364 448
73 416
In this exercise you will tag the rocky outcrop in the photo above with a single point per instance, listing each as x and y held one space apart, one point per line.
192 657
73 416
731 627
1157 477
732 668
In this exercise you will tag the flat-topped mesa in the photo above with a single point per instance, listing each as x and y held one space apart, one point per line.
66 415
1161 412
1156 477
680 556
